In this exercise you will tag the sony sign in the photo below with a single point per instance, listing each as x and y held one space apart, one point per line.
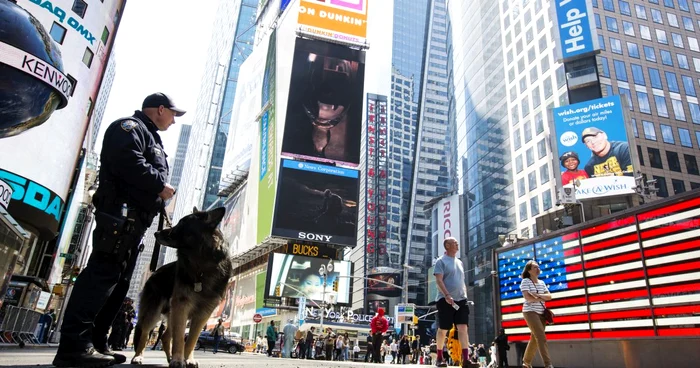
315 237
575 36
448 220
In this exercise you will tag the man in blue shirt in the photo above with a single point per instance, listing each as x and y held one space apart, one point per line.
451 300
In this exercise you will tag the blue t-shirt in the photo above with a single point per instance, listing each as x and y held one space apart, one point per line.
452 271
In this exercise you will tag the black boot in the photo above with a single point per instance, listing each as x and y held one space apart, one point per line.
88 358
103 348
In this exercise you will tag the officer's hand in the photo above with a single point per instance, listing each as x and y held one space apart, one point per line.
167 192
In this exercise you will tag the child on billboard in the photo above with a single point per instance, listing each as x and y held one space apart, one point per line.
570 161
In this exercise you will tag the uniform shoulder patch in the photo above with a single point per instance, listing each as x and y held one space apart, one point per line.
128 125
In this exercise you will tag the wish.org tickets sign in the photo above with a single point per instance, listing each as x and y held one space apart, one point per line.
344 21
593 148
576 35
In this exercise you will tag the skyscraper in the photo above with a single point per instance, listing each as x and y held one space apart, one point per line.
101 103
179 161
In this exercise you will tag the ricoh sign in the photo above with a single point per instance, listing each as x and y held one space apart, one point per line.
575 36
448 219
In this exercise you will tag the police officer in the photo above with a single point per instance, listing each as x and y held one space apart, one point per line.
132 190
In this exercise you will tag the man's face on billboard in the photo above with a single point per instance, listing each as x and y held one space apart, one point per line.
571 163
597 143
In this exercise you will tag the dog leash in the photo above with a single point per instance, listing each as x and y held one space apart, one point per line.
156 247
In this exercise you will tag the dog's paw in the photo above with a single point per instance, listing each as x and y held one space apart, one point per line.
137 360
191 363
177 363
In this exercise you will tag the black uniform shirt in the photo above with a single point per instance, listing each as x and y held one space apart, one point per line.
134 160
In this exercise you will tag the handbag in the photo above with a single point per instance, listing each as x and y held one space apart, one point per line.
548 315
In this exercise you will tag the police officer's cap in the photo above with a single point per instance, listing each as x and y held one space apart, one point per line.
161 99
568 155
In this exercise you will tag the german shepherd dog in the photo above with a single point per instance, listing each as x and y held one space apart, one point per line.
189 288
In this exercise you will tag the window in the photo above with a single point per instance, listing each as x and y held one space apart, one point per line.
58 33
561 78
655 78
105 35
546 200
672 82
87 57
639 153
649 131
661 184
645 32
688 24
693 44
523 211
611 23
532 181
620 71
516 139
615 46
661 108
682 61
691 164
608 5
669 4
533 74
521 187
526 106
694 185
683 5
80 7
535 206
626 94
674 164
605 68
530 156
73 83
694 112
656 16
547 86
678 186
601 42
655 158
672 20
633 50
634 128
677 40
624 7
544 173
697 137
641 11
684 135
688 85
638 74
536 99
678 111
661 36
628 27
519 164
527 131
544 64
649 53
643 101
539 123
541 148
666 58
667 134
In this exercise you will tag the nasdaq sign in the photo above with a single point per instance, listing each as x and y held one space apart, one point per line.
576 34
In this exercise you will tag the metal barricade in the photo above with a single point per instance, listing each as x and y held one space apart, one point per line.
18 326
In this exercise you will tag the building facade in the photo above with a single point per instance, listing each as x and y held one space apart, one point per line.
102 98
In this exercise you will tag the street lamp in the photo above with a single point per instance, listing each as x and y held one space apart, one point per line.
324 270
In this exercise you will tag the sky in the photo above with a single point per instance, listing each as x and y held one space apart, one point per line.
160 47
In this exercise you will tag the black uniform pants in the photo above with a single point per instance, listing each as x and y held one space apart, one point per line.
99 292
377 339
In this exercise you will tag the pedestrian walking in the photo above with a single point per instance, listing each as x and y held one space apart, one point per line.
271 336
416 348
493 350
330 345
310 343
132 189
218 334
378 326
161 330
369 349
346 347
451 300
404 349
481 351
535 292
339 346
503 347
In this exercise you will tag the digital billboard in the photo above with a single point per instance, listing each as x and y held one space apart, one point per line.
324 109
376 182
593 148
291 272
632 276
231 225
268 143
343 21
576 32
317 203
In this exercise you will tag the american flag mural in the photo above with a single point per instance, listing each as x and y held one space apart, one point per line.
635 276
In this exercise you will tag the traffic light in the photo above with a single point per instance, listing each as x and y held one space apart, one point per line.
335 285
74 274
278 292
415 320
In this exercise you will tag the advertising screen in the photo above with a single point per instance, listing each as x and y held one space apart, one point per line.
386 275
324 110
232 223
593 148
291 272
341 20
576 32
632 276
317 203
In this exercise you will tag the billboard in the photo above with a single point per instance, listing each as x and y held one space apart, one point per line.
224 309
260 281
384 274
343 21
231 225
576 32
324 114
448 221
633 275
376 185
317 203
268 145
593 148
301 273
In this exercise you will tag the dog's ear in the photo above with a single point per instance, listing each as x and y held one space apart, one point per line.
215 216
194 209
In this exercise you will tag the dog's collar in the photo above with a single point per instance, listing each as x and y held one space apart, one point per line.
198 284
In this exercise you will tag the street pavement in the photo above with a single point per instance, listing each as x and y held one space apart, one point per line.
42 357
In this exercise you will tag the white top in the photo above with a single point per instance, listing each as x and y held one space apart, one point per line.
539 288
394 346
